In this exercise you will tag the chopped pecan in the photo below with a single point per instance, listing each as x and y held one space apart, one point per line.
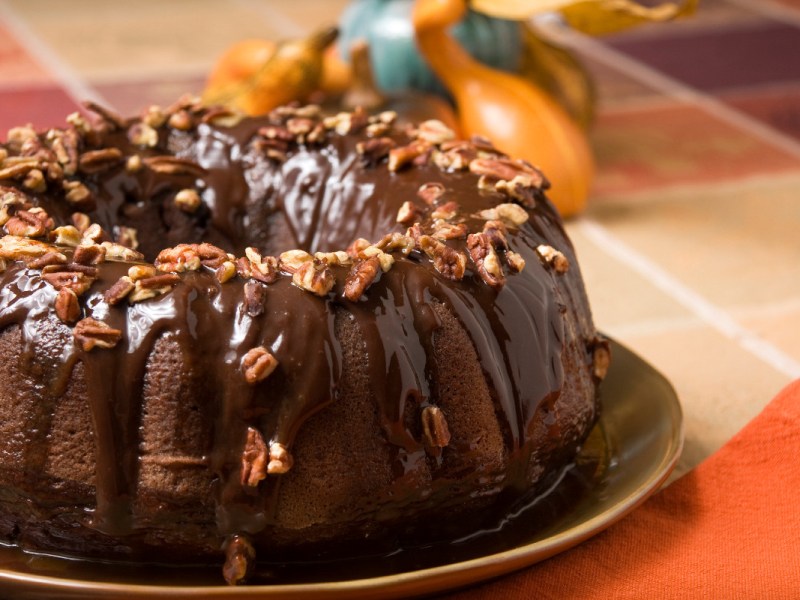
347 122
442 230
74 280
34 222
255 458
68 309
153 116
384 258
446 211
188 200
454 156
280 461
126 236
240 558
221 116
408 213
78 194
496 232
291 260
81 221
515 261
13 247
17 136
18 169
431 192
601 358
360 277
226 271
486 260
97 161
190 257
358 246
172 165
340 258
446 260
395 241
511 214
119 291
434 131
255 298
254 266
34 181
258 364
143 135
137 272
374 150
66 236
152 287
94 234
121 253
405 155
46 260
92 254
434 427
134 163
112 119
182 120
90 333
315 277
553 258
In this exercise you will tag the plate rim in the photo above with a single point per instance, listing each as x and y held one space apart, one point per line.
407 583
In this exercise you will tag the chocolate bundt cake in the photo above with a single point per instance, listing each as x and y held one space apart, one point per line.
230 340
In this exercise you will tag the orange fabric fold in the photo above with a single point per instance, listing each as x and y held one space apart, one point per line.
728 529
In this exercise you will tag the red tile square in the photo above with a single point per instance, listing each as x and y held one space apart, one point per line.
16 65
663 146
43 107
130 97
776 106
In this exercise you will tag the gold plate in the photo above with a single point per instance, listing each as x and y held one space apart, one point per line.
630 453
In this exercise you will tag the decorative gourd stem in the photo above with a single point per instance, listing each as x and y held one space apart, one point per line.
363 91
521 119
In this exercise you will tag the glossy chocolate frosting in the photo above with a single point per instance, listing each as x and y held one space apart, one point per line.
288 181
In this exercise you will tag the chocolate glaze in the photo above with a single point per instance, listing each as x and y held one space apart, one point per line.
320 198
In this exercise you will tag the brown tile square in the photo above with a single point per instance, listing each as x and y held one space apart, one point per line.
735 244
667 145
113 40
721 386
779 324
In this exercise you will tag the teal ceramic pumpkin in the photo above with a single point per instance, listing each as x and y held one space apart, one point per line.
396 62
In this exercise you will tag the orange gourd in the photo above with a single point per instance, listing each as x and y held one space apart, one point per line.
518 117
255 76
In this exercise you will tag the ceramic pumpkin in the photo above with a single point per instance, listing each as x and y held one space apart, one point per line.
397 64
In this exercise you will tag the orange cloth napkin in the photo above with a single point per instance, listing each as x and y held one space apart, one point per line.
728 529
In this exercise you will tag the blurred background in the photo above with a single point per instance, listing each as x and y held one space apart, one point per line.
689 242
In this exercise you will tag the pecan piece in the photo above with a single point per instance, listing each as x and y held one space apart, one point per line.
408 213
182 120
240 557
90 333
360 277
292 260
90 254
431 192
442 230
119 291
496 232
143 135
34 222
121 253
151 287
188 200
255 457
486 260
512 214
446 211
434 131
97 161
66 236
280 461
68 309
254 266
405 155
258 364
172 165
515 261
13 247
434 427
446 260
315 277
340 258
255 298
553 258
74 280
78 194
190 257
374 150
51 258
